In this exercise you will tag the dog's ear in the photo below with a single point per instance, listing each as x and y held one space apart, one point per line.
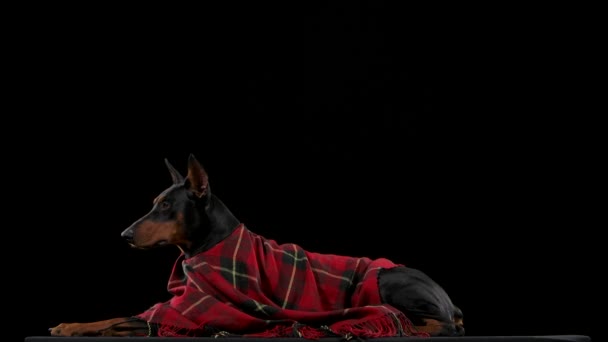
197 180
175 175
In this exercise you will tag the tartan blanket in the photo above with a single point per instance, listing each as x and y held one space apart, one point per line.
251 286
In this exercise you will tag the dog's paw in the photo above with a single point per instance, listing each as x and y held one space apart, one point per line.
67 329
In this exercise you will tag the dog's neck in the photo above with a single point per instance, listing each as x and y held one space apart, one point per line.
221 223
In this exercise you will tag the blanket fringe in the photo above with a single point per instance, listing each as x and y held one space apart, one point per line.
165 330
295 330
386 325
391 324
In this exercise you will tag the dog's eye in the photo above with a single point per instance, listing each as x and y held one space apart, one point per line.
164 205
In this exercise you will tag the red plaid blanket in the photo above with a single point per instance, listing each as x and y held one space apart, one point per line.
252 286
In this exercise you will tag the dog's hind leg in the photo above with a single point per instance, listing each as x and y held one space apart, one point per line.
422 300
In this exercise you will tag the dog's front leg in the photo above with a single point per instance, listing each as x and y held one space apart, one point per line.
125 326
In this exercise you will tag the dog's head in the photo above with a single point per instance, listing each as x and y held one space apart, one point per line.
178 214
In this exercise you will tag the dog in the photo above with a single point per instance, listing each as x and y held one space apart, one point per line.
231 281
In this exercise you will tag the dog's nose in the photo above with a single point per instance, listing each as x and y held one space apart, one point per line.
127 234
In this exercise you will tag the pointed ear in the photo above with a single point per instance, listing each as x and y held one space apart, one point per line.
175 175
197 180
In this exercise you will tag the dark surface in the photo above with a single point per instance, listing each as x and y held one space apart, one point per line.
556 338
463 142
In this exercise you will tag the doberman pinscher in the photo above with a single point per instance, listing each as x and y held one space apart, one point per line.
190 217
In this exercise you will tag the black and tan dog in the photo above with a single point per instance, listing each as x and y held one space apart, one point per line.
190 217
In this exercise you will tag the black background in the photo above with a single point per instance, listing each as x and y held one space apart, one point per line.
463 142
